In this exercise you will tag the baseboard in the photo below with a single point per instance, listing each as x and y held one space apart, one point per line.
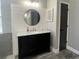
9 57
55 50
73 50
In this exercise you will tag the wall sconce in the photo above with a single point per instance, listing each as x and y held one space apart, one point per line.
33 4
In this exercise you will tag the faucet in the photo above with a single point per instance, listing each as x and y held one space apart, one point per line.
27 29
34 29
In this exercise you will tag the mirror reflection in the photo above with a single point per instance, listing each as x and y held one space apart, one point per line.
32 17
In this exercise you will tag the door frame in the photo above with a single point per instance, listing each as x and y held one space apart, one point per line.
60 23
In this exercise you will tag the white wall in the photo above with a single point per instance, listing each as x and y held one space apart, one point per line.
6 16
73 38
19 25
0 19
73 29
6 36
65 1
55 25
52 4
0 7
42 2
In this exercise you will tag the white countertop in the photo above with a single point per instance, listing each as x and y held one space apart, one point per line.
31 33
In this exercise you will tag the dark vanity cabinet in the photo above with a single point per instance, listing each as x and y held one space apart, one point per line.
32 45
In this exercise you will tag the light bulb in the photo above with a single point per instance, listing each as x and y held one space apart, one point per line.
35 4
28 3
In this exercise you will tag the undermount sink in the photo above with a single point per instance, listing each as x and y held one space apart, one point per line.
30 33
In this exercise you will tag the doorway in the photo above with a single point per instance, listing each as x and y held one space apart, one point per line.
63 26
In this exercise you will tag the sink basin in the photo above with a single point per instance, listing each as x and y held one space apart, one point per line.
30 33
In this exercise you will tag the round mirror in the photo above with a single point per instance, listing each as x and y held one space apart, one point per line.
32 17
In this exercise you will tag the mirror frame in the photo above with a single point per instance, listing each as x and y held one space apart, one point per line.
38 16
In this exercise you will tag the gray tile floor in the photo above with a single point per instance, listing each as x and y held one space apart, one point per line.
65 54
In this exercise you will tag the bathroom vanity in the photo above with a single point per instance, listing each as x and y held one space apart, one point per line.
26 24
32 44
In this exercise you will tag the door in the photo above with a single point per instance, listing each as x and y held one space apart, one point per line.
63 26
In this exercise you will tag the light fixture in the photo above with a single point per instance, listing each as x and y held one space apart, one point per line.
27 3
33 4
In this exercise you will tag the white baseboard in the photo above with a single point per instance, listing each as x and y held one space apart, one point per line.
55 50
9 57
73 50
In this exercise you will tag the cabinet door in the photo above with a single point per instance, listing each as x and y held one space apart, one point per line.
26 44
